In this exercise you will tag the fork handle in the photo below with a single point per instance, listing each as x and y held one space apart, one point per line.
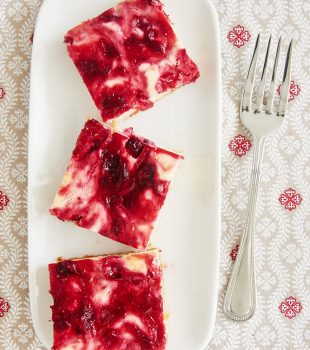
240 298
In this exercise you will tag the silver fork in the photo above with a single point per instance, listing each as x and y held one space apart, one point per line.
261 121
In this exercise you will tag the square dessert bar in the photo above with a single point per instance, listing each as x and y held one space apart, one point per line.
129 57
115 184
109 302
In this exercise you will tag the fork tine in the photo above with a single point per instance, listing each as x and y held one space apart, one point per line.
261 88
286 81
273 79
249 82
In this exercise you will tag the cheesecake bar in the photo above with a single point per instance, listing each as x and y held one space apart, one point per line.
109 302
129 57
115 184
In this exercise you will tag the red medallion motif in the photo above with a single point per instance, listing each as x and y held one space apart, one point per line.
238 36
4 200
290 307
2 93
4 307
294 90
240 145
234 253
290 199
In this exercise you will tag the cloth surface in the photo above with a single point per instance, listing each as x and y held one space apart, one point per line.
282 256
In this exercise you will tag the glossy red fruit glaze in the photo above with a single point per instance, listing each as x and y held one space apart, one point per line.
115 184
108 303
117 51
184 70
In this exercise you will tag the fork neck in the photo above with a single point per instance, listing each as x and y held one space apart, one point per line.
258 148
259 140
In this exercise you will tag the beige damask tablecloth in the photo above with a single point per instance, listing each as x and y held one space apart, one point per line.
283 215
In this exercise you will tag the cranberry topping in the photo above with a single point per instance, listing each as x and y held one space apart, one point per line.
91 138
113 272
88 67
87 321
120 71
145 174
155 43
68 40
115 173
60 324
108 16
114 102
185 70
109 50
155 37
64 190
81 315
134 147
76 217
118 184
66 268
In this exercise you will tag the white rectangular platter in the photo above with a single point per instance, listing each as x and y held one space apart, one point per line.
188 227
